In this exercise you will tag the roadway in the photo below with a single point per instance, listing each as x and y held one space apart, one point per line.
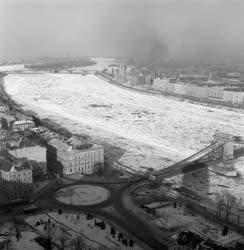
122 212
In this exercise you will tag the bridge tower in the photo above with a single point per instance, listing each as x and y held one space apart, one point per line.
228 145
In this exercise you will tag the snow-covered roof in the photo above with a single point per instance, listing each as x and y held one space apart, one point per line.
7 117
59 144
7 166
71 144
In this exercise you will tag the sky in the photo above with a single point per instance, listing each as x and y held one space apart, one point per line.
142 29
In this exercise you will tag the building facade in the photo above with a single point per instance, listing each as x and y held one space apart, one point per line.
69 158
6 121
203 92
22 125
16 179
4 108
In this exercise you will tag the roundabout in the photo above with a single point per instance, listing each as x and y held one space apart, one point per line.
82 195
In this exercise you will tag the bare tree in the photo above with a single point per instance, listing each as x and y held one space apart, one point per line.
49 233
79 242
7 245
62 238
219 205
229 203
17 230
239 210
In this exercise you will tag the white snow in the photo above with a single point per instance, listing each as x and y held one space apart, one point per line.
153 131
82 195
210 184
25 242
180 217
94 236
35 153
12 67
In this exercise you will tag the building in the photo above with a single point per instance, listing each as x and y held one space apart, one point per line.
36 155
6 121
196 91
215 93
72 156
22 125
16 178
180 89
113 69
4 108
160 84
233 97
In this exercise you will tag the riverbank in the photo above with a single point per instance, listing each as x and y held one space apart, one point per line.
181 98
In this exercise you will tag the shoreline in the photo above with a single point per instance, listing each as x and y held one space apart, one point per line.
103 214
119 144
189 99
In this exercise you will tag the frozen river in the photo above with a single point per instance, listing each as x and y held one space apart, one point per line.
153 131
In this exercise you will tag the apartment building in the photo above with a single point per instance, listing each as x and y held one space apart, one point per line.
73 156
16 178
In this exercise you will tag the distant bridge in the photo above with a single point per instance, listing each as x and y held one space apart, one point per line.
64 71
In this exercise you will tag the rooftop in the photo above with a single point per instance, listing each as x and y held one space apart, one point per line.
7 117
70 144
19 165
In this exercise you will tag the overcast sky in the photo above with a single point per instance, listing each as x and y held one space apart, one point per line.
139 28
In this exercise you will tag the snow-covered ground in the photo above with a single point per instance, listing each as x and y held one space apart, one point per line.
12 67
179 218
25 242
74 224
153 131
211 184
82 195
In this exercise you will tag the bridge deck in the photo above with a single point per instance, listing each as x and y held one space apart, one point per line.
179 166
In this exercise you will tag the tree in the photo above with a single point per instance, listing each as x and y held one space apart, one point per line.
113 231
225 231
229 203
120 236
99 169
103 225
79 242
49 234
17 230
89 216
131 243
7 245
238 210
219 205
38 223
62 238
